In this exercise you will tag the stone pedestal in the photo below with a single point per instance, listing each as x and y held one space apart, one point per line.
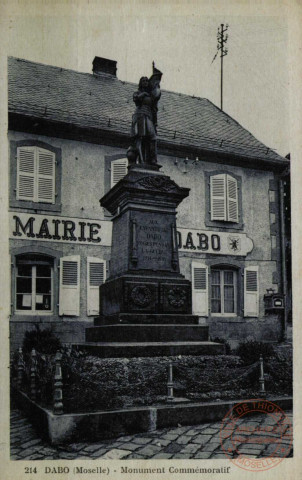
144 266
145 304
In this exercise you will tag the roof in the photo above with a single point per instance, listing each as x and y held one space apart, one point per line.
105 102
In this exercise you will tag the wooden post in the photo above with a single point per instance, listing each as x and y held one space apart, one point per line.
33 370
262 391
170 384
58 384
20 369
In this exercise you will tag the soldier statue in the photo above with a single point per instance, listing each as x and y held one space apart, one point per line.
144 120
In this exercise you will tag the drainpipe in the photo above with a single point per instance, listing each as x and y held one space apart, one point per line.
283 258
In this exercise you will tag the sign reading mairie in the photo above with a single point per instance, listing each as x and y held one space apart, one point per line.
59 229
153 238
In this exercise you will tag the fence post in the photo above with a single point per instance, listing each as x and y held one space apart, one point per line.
20 369
33 370
58 386
262 391
170 383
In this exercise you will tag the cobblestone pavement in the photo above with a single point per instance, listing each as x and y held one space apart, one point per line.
198 441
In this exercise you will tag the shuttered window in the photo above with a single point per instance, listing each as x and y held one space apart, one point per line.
224 198
96 276
200 289
118 170
69 297
251 292
35 174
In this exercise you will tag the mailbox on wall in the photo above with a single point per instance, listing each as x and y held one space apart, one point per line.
273 301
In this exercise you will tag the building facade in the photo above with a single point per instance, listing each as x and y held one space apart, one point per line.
68 136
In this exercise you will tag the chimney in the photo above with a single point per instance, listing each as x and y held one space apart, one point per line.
104 65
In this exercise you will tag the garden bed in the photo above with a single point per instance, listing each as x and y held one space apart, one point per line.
91 384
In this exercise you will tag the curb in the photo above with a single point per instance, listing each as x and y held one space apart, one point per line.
99 425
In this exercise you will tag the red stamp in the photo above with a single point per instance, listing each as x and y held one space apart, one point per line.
256 435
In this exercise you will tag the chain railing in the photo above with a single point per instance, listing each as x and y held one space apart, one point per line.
57 403
259 363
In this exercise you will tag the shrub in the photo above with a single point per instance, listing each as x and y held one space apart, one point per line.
250 351
43 341
228 349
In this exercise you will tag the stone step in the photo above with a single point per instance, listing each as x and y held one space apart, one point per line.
147 333
147 318
151 349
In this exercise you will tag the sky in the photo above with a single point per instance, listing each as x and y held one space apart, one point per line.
182 42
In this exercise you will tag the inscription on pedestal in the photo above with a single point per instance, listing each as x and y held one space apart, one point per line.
153 242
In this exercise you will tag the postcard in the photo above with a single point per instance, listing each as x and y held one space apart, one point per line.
150 254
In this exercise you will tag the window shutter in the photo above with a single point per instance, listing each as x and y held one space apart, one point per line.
232 199
69 298
45 176
118 170
96 275
26 173
251 292
218 197
200 300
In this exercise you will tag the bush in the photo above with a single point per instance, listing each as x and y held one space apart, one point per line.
43 341
250 351
228 349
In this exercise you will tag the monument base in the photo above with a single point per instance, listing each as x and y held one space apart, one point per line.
150 349
147 319
149 335
139 333
169 294
146 303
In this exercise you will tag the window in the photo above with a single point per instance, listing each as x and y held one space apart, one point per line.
118 170
223 291
34 284
35 174
224 198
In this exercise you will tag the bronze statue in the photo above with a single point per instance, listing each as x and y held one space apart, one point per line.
144 120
